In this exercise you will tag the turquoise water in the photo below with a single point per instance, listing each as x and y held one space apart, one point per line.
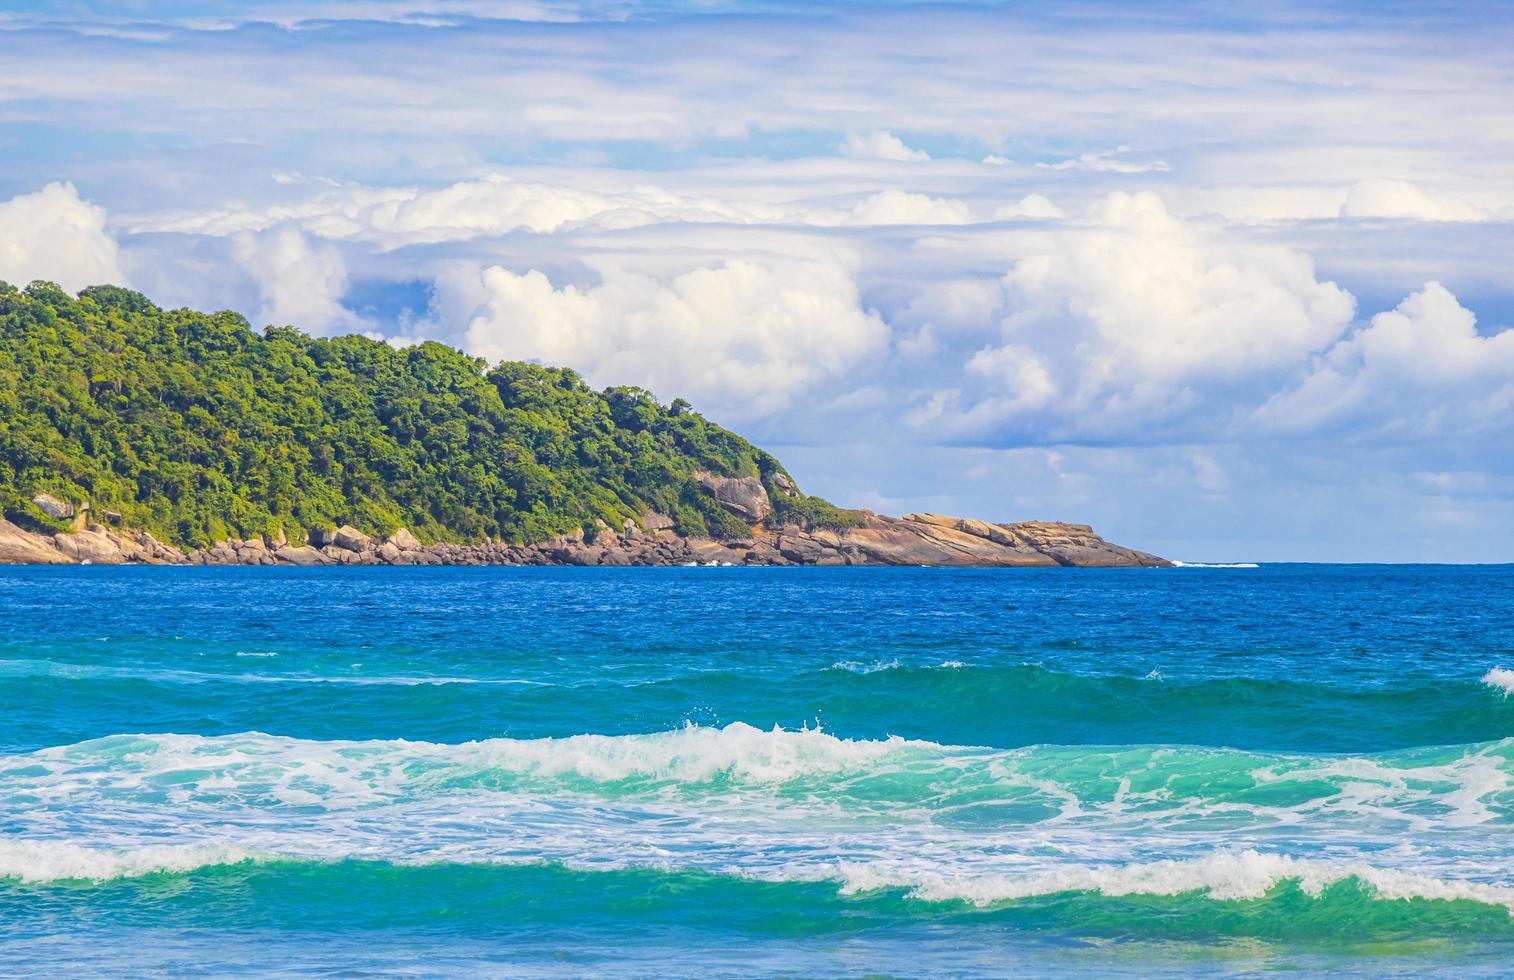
737 770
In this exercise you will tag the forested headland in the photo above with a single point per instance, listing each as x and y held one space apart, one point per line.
198 428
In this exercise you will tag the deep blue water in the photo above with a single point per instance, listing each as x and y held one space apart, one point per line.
735 770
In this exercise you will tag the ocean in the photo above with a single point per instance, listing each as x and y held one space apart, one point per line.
731 771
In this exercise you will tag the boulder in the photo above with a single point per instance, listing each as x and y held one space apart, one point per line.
53 507
389 551
744 496
654 521
350 538
18 547
711 553
404 540
799 547
615 556
91 546
304 555
763 553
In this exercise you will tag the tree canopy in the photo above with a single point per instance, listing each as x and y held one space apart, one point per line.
197 428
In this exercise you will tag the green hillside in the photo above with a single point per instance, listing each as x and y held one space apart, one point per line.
197 428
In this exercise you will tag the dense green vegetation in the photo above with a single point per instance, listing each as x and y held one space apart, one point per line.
196 428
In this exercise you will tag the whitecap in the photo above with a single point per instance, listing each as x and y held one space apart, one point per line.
1224 875
859 667
1501 678
37 862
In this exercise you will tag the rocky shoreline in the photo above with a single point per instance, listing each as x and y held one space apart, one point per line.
915 539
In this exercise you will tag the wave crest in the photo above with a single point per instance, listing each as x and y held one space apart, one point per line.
40 862
1224 876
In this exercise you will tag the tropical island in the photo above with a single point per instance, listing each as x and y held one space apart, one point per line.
131 433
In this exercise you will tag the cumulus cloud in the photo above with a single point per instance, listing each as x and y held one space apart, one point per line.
56 235
1382 198
879 144
741 338
1034 206
1130 319
896 207
300 281
1420 369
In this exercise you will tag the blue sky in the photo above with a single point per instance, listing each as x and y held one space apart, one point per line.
1227 285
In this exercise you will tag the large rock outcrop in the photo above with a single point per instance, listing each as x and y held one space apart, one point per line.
916 539
53 507
20 547
743 496
936 539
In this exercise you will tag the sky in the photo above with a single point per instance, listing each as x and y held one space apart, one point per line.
1230 285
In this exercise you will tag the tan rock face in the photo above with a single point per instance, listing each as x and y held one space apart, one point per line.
350 538
709 552
745 497
19 547
53 507
95 547
654 521
940 540
404 540
304 555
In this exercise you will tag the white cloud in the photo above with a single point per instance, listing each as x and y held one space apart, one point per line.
1113 161
498 204
493 205
1382 198
55 235
300 282
1132 317
956 306
1035 206
879 144
895 207
1417 370
741 338
1018 371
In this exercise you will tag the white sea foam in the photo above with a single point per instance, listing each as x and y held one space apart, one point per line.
1225 875
859 667
876 666
260 769
1501 678
943 822
1048 786
35 862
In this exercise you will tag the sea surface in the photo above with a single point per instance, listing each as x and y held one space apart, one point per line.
797 771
